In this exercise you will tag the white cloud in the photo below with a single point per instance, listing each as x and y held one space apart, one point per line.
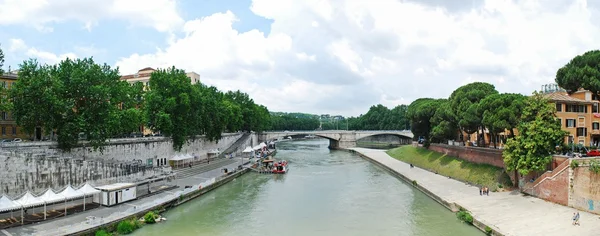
160 14
19 46
343 56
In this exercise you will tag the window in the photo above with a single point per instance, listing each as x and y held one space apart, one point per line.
4 116
595 97
3 130
559 121
570 123
595 126
595 108
14 130
576 108
581 132
559 107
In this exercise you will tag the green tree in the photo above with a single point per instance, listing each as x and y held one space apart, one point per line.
582 71
169 107
37 98
501 112
419 113
539 134
464 102
89 95
443 123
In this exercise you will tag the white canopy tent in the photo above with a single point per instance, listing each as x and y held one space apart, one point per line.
87 190
29 200
180 160
6 204
50 197
248 149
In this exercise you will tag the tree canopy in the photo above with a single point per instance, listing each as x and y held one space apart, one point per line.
539 134
583 71
420 113
501 112
1 61
464 103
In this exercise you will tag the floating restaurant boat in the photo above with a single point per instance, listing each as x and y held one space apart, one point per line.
271 166
280 167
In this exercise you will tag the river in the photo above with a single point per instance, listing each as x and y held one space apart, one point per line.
325 193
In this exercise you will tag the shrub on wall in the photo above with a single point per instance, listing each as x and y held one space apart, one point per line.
464 216
574 164
594 166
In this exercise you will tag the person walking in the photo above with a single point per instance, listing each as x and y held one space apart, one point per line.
576 218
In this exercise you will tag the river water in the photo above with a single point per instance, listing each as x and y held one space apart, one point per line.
325 193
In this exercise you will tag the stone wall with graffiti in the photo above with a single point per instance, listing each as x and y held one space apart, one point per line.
584 191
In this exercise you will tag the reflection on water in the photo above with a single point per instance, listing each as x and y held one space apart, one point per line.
325 193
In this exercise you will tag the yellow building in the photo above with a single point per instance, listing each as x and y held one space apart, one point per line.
143 76
579 115
8 125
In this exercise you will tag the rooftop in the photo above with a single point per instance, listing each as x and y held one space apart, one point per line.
564 97
115 186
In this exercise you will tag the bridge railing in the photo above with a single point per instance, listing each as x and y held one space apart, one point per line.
332 130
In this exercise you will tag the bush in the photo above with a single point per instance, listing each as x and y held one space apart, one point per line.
574 164
150 217
594 166
102 233
464 216
414 182
127 226
488 230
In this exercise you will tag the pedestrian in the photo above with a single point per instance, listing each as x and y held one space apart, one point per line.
576 218
480 191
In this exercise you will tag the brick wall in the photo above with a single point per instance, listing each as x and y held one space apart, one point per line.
585 193
472 154
552 185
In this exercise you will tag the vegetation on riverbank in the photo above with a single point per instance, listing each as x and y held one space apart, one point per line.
479 174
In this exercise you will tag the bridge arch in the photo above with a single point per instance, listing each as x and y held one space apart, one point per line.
333 141
403 139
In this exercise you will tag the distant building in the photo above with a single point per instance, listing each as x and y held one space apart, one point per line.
143 76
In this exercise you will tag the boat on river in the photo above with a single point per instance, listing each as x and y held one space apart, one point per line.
270 166
280 167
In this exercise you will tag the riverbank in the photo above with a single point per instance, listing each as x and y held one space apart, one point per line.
86 223
477 174
506 213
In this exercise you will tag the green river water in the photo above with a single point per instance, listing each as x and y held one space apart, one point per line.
325 193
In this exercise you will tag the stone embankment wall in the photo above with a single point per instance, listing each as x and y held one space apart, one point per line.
471 154
37 166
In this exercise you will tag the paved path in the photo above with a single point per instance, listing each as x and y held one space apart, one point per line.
47 227
509 212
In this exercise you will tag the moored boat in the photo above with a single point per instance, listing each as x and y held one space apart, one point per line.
280 167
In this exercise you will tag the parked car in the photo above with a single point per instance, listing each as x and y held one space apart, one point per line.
593 153
17 140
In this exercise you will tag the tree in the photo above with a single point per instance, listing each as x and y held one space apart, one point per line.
443 122
582 71
169 107
419 113
539 134
464 103
89 93
37 98
501 112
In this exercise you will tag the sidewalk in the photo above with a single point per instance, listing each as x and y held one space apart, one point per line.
509 212
103 214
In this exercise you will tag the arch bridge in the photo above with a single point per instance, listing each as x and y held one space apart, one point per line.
339 139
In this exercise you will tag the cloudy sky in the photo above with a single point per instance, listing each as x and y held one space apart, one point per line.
316 56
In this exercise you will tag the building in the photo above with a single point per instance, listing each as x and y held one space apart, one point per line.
8 125
578 114
143 76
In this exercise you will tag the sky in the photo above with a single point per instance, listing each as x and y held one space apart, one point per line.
314 56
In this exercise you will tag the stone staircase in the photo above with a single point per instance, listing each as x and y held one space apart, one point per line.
236 145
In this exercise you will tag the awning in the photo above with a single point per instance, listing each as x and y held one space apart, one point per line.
50 197
262 145
8 205
87 190
271 143
248 149
28 200
216 151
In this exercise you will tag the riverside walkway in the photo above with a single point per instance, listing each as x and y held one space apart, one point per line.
510 213
89 219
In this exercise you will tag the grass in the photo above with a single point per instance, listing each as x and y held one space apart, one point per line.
478 174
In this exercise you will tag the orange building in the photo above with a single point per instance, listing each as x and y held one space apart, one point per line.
579 115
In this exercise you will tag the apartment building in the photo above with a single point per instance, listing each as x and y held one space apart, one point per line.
579 115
